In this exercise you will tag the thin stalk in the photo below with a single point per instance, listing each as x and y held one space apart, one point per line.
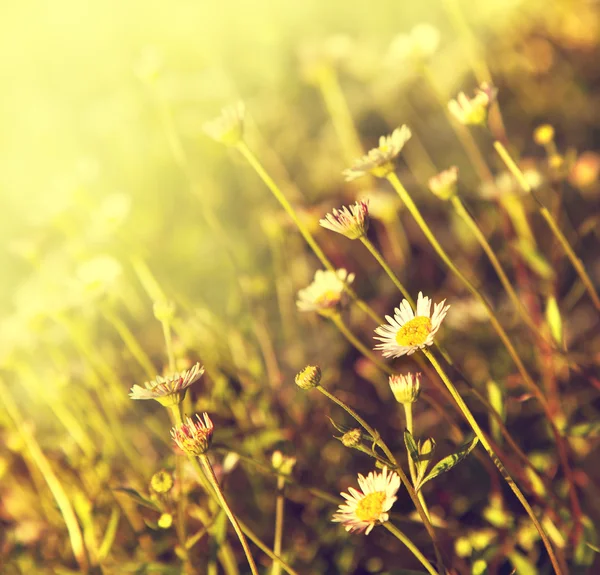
561 448
388 453
210 474
381 261
410 546
577 263
462 211
308 237
54 484
485 443
279 511
336 318
411 464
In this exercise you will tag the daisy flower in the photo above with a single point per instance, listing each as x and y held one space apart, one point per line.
363 510
168 391
407 332
194 437
379 161
473 111
228 128
326 293
443 185
352 221
406 388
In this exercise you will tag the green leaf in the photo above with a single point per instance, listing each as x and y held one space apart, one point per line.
585 429
534 259
133 494
554 320
521 564
426 448
449 462
411 446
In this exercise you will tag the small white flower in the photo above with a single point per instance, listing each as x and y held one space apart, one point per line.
379 161
352 221
228 128
443 185
473 111
170 390
406 388
326 293
363 510
407 332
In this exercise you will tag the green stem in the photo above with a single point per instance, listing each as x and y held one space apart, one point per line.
336 318
577 263
462 211
410 546
210 474
276 191
279 511
411 464
381 261
405 481
483 439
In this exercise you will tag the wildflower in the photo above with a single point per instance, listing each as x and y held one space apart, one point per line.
161 482
586 170
418 45
309 377
352 222
228 128
407 332
352 438
406 388
194 437
543 134
362 511
475 110
168 391
326 293
284 464
443 185
379 161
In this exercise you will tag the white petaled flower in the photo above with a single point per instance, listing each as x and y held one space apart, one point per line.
352 221
443 185
363 510
473 111
228 128
406 388
326 293
194 437
379 161
408 331
168 391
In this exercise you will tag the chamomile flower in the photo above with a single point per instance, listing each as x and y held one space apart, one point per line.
473 111
407 332
168 391
194 437
369 507
228 128
443 185
326 293
379 161
352 221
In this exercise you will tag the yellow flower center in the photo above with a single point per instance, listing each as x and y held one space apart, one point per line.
414 332
371 506
328 298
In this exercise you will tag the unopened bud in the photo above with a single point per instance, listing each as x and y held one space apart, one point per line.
309 377
406 388
352 438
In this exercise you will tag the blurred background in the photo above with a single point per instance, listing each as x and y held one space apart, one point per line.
113 198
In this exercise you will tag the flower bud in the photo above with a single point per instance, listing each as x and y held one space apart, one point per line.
352 438
406 388
309 377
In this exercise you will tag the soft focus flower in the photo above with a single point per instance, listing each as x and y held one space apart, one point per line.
379 161
407 332
228 128
284 464
475 110
326 293
586 170
194 437
406 388
162 481
352 221
505 184
443 185
309 377
420 43
168 391
543 134
362 511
